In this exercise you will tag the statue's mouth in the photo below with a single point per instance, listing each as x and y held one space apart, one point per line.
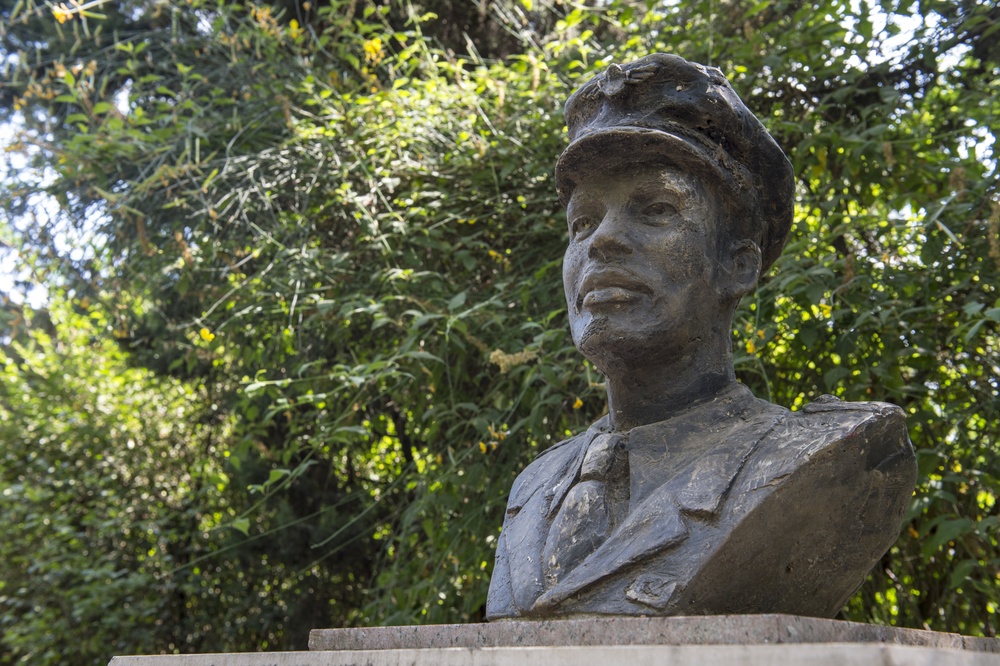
610 288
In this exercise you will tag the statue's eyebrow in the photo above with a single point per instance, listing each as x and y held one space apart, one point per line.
652 192
580 198
679 191
658 190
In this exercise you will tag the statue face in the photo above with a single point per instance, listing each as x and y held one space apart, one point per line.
641 268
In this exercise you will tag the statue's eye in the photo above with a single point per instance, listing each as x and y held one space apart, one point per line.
658 209
582 225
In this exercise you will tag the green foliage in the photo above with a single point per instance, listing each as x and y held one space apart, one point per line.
330 246
111 489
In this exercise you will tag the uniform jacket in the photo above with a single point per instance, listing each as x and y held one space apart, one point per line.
749 508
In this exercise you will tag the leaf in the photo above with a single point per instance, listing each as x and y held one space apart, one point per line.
241 525
972 308
357 430
208 181
757 9
424 318
833 376
422 355
947 530
457 301
948 232
960 573
276 475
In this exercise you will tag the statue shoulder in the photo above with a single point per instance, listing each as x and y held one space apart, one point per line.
829 422
828 404
842 433
875 429
817 504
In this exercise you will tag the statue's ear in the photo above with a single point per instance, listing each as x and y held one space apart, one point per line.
746 262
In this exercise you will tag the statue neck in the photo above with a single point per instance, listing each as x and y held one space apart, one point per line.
643 395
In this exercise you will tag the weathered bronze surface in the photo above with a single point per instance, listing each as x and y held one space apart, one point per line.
691 496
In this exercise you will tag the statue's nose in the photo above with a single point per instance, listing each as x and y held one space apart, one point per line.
611 237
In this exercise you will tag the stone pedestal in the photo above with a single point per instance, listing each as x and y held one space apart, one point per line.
676 641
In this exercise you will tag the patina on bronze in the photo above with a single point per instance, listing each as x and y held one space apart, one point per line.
691 496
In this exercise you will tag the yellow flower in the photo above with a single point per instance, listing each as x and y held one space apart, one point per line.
62 13
294 29
751 347
825 309
482 447
206 335
577 404
373 50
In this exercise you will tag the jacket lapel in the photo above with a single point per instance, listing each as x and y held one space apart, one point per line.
535 499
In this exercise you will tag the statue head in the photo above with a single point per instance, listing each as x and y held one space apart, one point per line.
677 200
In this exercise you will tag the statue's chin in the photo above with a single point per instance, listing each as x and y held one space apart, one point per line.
612 351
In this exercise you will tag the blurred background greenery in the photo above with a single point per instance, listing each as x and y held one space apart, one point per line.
282 314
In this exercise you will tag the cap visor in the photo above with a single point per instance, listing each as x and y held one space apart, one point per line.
613 150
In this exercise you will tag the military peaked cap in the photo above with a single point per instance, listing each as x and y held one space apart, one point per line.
664 109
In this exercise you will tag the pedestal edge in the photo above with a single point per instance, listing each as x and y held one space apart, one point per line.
615 631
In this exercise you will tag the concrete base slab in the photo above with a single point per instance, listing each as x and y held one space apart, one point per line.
827 654
598 641
609 631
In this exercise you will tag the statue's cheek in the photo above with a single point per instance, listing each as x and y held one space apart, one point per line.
572 263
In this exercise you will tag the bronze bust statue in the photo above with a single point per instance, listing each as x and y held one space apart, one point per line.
691 496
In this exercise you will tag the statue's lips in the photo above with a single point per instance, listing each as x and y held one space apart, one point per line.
610 287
